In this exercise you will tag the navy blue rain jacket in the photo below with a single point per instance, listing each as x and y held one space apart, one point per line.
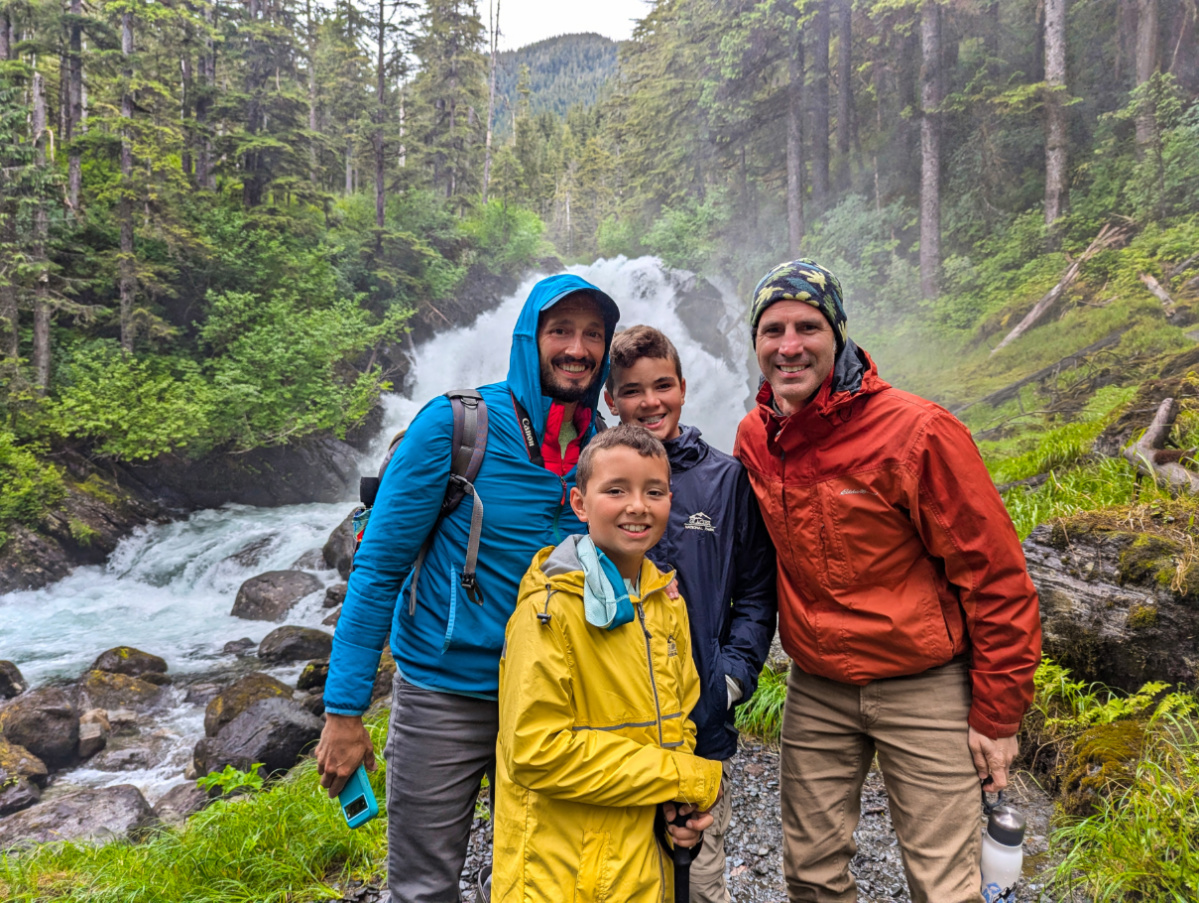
718 544
451 644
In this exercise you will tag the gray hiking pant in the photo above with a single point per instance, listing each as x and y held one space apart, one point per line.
439 747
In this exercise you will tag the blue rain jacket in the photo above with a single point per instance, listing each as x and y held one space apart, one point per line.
718 545
451 644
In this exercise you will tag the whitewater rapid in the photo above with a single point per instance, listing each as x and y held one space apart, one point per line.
168 588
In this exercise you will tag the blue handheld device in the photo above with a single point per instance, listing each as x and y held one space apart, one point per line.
357 800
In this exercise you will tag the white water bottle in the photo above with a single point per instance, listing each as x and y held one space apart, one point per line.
1003 853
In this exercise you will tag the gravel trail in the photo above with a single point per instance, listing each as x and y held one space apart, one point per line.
754 841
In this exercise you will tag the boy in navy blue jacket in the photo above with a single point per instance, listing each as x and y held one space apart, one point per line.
716 541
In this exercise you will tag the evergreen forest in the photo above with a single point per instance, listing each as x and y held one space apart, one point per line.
221 225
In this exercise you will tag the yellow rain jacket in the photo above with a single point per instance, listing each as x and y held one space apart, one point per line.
594 736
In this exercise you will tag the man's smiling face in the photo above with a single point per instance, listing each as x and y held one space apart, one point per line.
796 350
570 344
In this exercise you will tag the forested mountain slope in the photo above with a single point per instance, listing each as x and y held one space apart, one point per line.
563 72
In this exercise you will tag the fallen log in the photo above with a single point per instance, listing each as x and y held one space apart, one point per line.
1162 464
1159 293
1108 236
1175 271
1011 390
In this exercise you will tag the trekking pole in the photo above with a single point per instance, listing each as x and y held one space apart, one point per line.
683 857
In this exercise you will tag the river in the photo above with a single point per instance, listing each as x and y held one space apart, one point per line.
168 588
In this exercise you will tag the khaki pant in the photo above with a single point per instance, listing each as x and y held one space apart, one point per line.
917 725
707 871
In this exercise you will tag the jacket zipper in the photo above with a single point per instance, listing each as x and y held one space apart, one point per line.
649 658
558 513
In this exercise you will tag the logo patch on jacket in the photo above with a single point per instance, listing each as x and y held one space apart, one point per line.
671 647
699 521
858 492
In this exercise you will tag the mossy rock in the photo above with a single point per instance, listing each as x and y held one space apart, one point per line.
314 675
127 660
1103 761
384 677
1149 557
235 699
106 690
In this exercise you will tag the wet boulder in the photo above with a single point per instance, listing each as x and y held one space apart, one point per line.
22 776
384 677
238 647
294 644
273 732
179 802
87 816
314 675
338 550
11 682
1119 600
331 619
269 596
94 730
106 690
335 595
129 661
45 722
235 699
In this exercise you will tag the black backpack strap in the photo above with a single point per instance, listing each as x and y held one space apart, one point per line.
466 457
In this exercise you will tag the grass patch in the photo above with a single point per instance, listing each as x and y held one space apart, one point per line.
287 842
762 716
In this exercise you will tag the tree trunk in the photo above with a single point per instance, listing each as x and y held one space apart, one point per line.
795 161
1147 64
930 149
844 89
126 275
6 38
349 166
991 29
186 102
313 173
74 111
379 116
205 172
495 36
820 106
1056 194
41 301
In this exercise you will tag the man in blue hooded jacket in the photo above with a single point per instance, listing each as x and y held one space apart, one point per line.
718 544
444 717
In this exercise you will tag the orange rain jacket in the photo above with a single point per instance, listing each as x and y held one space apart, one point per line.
895 552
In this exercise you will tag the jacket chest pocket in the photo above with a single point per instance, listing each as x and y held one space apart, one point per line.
866 539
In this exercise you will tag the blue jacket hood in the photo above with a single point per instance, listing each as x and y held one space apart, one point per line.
524 364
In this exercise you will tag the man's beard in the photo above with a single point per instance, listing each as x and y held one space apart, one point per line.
566 394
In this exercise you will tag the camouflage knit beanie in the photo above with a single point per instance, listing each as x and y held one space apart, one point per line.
801 280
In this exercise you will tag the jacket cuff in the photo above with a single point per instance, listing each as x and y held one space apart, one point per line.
989 726
699 782
352 670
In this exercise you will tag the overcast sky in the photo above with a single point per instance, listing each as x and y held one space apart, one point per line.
527 21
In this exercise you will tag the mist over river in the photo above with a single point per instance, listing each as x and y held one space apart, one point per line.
168 588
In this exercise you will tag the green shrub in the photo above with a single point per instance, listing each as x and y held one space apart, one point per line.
508 238
131 407
29 488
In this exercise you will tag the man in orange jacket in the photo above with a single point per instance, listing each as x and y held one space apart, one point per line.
904 601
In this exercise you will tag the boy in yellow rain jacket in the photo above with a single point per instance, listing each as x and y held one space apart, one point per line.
596 683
